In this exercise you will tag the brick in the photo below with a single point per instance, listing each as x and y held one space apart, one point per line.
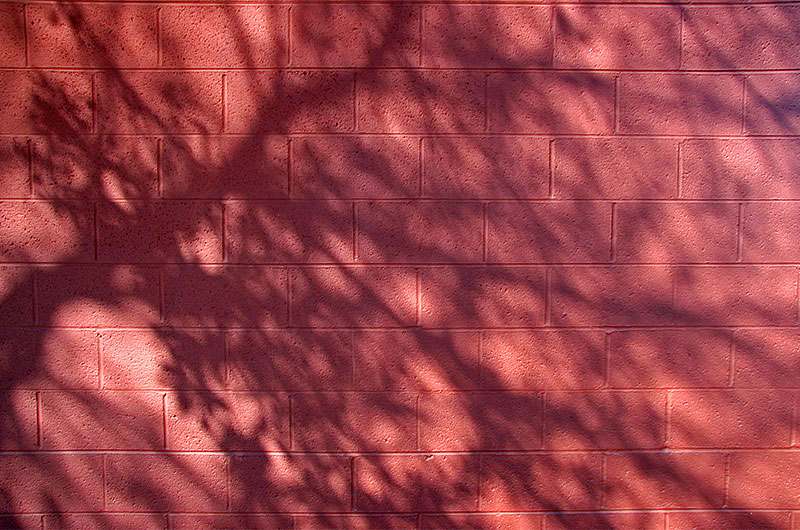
355 167
258 295
12 33
159 102
419 232
542 360
165 482
543 233
35 483
770 106
482 297
615 168
43 231
353 297
14 156
605 521
85 35
41 102
551 103
665 480
21 522
354 422
764 480
459 36
231 522
639 38
502 167
48 358
162 359
311 101
416 360
680 104
95 167
289 360
223 421
18 421
289 231
467 421
219 167
611 295
728 520
355 35
102 420
16 296
414 483
766 358
355 522
741 37
744 168
747 295
420 101
97 296
224 37
730 418
541 482
669 358
769 233
99 521
471 521
290 483
591 420
663 232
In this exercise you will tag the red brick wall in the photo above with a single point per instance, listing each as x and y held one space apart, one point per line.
387 265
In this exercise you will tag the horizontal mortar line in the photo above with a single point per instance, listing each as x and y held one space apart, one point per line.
612 329
449 265
124 202
337 513
442 2
432 392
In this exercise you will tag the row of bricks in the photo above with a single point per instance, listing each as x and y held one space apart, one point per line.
275 232
384 297
391 167
399 422
398 101
277 483
374 35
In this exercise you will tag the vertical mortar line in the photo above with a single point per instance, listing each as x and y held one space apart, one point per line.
614 215
38 396
159 176
727 487
680 168
25 41
548 296
421 166
164 417
96 227
551 185
159 52
354 209
224 102
485 228
732 363
740 233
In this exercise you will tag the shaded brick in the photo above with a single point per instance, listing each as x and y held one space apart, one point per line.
767 358
46 231
771 104
528 521
231 522
12 33
770 232
43 102
16 182
18 421
99 521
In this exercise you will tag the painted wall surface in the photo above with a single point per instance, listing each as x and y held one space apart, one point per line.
383 265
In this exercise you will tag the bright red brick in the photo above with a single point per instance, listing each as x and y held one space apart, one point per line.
746 295
542 360
612 295
97 295
159 102
419 232
355 522
102 420
163 359
665 480
605 521
767 358
728 520
458 36
16 296
551 103
770 106
416 360
353 297
615 168
225 295
363 35
86 35
566 481
165 482
528 521
592 420
355 167
45 231
680 104
482 297
354 422
741 37
764 480
290 483
43 102
101 521
745 168
311 101
669 358
520 232
664 232
241 167
16 182
289 231
413 483
501 167
222 421
415 101
12 34
467 421
231 522
641 38
18 421
770 232
224 36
